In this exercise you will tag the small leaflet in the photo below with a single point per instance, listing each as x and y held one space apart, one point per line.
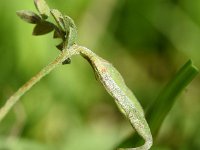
29 16
58 18
72 37
43 28
42 8
60 46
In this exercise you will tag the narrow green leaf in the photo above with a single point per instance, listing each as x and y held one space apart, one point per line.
29 16
58 18
59 33
43 28
72 36
42 8
164 102
67 25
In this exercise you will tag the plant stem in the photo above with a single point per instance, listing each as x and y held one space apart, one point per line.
22 90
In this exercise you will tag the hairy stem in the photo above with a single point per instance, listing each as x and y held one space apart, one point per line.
22 90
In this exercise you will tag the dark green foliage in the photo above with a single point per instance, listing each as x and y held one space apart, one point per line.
58 34
43 27
60 46
65 28
29 16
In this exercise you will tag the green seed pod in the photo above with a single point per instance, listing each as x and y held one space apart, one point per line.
114 84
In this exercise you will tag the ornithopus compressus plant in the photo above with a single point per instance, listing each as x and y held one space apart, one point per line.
65 29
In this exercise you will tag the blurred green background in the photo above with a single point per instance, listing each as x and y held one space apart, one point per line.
147 41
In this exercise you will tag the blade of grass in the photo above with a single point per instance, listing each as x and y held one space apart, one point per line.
159 109
165 100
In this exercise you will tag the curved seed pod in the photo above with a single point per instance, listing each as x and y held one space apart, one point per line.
124 98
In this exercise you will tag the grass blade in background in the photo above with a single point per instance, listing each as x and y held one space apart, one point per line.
164 102
162 105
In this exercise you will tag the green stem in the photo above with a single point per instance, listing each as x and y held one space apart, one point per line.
22 90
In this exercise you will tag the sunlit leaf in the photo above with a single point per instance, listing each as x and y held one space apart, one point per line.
42 8
67 25
58 18
166 98
29 16
72 36
43 28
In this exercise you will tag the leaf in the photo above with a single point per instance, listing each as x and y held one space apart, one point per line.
58 18
42 8
67 61
43 28
67 25
166 98
72 36
29 16
60 46
58 33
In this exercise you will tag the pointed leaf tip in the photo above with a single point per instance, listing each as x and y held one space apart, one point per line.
42 8
58 18
43 28
29 16
60 46
58 34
